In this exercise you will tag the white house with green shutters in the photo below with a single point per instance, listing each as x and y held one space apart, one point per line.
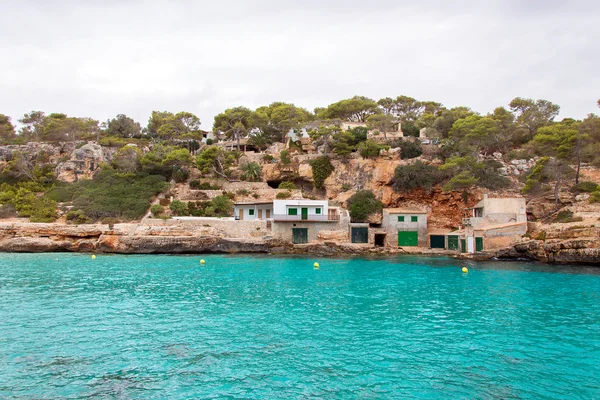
405 227
300 221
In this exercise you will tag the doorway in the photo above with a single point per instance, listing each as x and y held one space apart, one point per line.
380 239
304 213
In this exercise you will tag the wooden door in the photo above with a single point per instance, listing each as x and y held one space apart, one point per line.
241 214
268 214
260 213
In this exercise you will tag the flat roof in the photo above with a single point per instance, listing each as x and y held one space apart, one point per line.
404 211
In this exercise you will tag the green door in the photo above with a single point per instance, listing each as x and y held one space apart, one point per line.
299 235
463 245
360 235
452 242
478 244
304 213
408 238
437 241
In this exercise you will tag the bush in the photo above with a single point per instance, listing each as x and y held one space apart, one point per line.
112 141
410 130
287 185
164 202
410 149
197 185
157 210
566 216
283 195
110 194
242 192
584 187
595 197
346 187
110 221
268 158
369 148
229 195
321 169
78 217
541 236
209 142
178 208
417 175
44 210
251 171
285 157
363 204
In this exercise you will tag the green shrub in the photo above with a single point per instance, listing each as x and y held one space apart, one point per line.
110 221
178 208
164 201
346 187
283 195
78 217
110 194
410 149
209 142
229 195
541 236
287 185
251 171
369 148
321 169
564 216
223 206
284 156
198 185
362 204
410 130
584 187
242 192
417 175
157 210
268 158
595 197
112 141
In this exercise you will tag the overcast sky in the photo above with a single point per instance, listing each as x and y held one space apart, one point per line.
99 58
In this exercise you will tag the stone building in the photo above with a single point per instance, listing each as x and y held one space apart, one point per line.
492 223
403 227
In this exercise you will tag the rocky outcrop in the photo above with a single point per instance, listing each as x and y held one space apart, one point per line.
556 251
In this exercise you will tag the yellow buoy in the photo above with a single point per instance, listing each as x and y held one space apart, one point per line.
316 265
93 256
465 270
202 262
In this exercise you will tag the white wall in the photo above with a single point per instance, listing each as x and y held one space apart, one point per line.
280 207
255 207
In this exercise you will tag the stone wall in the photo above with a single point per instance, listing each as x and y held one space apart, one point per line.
224 227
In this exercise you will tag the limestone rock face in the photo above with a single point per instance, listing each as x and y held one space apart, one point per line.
556 251
341 236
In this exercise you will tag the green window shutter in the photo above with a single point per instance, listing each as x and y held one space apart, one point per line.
400 218
317 211
414 219
251 212
292 211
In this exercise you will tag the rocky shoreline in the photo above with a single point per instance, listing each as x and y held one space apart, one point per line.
22 237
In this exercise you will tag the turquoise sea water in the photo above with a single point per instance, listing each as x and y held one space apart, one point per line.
272 327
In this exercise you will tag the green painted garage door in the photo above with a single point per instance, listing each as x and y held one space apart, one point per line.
452 242
299 235
478 244
437 241
360 235
408 238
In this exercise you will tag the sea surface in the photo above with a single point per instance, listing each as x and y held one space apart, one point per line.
267 327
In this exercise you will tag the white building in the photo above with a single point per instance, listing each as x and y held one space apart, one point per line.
253 211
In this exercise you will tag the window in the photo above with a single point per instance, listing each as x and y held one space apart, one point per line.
414 218
251 211
317 211
292 211
400 218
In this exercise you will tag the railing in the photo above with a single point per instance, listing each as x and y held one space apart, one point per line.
309 218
